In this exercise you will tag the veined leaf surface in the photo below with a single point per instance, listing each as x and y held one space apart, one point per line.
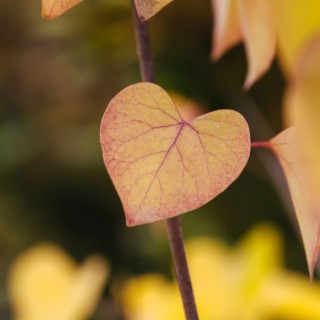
54 8
160 164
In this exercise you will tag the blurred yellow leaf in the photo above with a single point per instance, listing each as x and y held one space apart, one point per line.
148 8
188 108
297 23
252 22
44 283
246 282
160 164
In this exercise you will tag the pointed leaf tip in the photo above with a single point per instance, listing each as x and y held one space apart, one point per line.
227 29
54 8
248 20
163 166
148 8
259 33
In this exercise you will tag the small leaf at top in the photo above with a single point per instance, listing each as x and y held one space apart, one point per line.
251 21
227 28
259 33
148 8
160 164
54 8
305 198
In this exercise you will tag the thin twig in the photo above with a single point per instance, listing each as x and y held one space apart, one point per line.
143 46
173 224
181 267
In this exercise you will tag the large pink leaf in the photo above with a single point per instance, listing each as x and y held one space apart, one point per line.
163 166
54 8
148 8
305 198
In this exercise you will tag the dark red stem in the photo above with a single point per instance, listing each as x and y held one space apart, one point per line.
173 224
181 267
143 46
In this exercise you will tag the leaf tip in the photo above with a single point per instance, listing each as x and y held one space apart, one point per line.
314 259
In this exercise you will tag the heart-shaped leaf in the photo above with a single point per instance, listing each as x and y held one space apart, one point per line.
163 166
54 8
148 8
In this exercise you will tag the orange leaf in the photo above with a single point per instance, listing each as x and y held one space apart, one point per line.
259 35
163 166
148 8
305 200
54 8
227 29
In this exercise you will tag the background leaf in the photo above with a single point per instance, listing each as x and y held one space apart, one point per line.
148 8
259 35
305 200
252 22
54 8
163 166
227 29
297 23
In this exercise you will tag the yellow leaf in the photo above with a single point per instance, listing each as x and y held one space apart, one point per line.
160 164
242 282
306 202
297 22
227 29
54 8
148 8
44 283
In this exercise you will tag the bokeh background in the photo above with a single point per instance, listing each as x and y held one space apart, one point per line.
56 79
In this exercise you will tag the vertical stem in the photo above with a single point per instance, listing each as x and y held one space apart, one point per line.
181 267
143 46
173 224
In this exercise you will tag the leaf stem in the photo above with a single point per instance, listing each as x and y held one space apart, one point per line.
181 267
143 46
261 144
173 224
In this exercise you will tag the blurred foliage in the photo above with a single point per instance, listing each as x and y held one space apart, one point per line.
55 82
243 282
45 283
